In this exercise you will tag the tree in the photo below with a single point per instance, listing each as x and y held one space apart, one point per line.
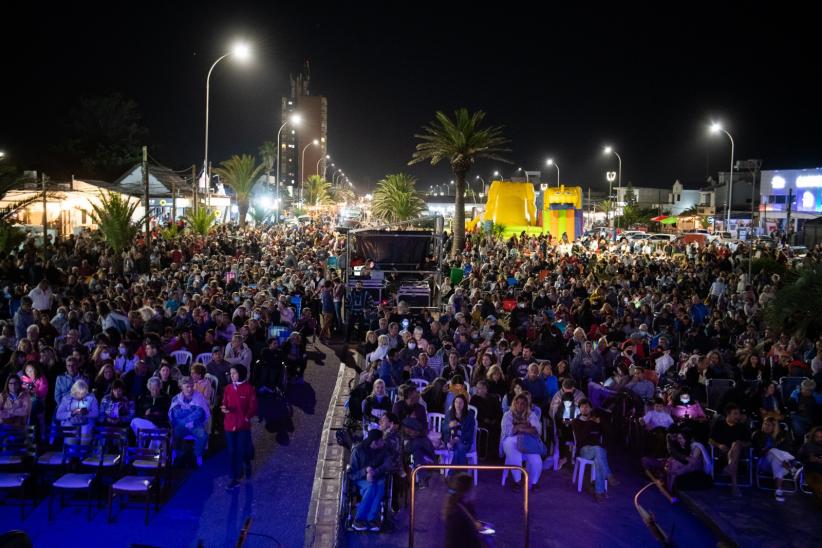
201 221
316 191
106 135
268 156
341 194
396 199
795 308
114 218
461 141
240 173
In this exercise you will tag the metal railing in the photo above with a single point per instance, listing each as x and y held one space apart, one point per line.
467 467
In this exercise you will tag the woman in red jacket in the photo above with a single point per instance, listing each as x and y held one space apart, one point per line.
239 407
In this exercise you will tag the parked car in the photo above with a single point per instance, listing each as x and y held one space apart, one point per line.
660 237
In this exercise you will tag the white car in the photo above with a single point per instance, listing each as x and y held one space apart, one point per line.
662 237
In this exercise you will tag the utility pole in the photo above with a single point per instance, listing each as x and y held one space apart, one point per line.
788 235
148 221
45 219
196 184
208 186
173 203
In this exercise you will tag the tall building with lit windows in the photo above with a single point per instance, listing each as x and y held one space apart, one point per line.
299 157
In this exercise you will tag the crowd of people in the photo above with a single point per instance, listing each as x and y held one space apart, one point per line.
181 338
541 351
549 348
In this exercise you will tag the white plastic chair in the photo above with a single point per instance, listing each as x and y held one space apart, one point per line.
182 357
204 358
579 472
420 383
471 456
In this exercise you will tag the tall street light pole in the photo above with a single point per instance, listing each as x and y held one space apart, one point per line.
716 127
610 150
315 142
242 52
294 120
323 159
551 162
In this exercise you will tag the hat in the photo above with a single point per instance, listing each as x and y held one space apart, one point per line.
491 317
216 349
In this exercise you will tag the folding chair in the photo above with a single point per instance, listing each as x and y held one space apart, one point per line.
17 450
133 484
748 461
715 390
72 481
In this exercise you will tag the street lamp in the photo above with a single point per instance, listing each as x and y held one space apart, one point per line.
551 162
611 176
241 52
610 150
527 180
480 179
322 159
295 119
315 142
496 174
716 128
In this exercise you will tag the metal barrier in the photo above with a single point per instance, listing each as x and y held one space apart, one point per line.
467 467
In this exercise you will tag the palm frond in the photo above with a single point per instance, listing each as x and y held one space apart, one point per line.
240 173
396 199
114 218
201 221
316 191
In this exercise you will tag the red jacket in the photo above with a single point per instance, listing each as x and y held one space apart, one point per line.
241 402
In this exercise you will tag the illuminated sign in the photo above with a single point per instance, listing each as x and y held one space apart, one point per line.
809 181
778 182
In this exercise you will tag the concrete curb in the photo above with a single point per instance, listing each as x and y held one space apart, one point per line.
705 517
322 524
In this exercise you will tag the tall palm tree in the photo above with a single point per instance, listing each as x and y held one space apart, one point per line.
396 199
240 173
462 142
340 194
268 155
114 218
316 191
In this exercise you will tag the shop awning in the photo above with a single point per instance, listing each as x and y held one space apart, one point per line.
669 221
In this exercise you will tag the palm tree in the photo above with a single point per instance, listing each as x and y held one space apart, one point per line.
396 199
462 142
201 220
113 216
268 155
340 194
240 173
316 191
11 179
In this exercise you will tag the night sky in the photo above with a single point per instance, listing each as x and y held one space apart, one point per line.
563 83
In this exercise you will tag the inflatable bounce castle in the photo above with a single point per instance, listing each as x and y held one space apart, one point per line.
515 206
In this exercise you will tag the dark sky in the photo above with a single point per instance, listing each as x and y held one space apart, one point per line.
563 83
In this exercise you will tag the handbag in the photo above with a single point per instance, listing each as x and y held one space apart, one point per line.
529 444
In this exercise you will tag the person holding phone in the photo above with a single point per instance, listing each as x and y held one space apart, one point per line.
78 408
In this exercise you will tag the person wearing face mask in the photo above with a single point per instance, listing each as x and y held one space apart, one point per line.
410 353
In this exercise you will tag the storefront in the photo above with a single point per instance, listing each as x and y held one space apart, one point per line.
801 188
